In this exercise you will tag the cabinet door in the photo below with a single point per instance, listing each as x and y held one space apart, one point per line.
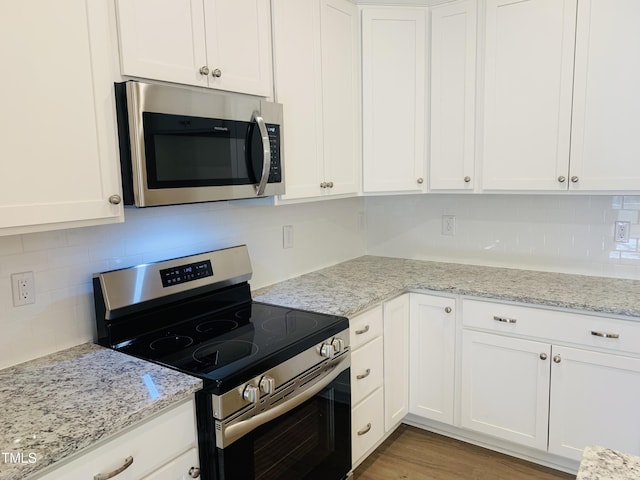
396 361
605 147
594 401
163 39
393 84
58 149
432 357
340 96
453 84
505 387
238 39
529 47
298 78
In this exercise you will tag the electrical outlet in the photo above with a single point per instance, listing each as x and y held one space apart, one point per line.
621 233
24 292
448 225
287 236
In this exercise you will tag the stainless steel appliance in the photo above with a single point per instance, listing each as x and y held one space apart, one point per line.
186 145
276 398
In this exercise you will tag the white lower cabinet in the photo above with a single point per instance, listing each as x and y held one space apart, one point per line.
396 361
432 331
163 448
367 426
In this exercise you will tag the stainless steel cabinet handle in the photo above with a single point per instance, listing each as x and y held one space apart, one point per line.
562 179
420 180
504 319
204 70
115 199
543 356
323 185
557 359
330 185
216 73
467 179
362 330
365 430
364 375
605 334
575 179
194 472
105 476
447 309
266 151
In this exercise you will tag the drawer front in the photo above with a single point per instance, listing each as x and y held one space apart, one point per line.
366 370
181 468
587 330
365 327
367 424
151 445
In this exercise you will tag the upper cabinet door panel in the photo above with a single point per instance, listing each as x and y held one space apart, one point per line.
163 39
394 68
529 49
239 45
605 145
453 85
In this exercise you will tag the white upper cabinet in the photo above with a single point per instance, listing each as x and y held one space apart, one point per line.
317 80
393 69
605 145
223 44
528 73
63 172
453 85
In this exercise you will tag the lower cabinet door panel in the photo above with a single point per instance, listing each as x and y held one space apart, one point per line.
595 400
367 424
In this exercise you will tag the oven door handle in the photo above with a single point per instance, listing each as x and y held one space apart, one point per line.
266 152
233 432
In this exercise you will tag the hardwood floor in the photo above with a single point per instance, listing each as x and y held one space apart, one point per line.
414 454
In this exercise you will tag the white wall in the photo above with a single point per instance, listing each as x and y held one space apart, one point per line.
64 261
564 233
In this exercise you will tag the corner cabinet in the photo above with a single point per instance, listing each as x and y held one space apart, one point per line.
222 44
60 166
394 67
317 79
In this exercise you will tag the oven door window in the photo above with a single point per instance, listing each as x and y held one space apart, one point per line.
186 151
312 441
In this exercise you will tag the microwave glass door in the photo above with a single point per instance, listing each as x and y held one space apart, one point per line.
183 151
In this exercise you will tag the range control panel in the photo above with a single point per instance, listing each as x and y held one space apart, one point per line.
186 273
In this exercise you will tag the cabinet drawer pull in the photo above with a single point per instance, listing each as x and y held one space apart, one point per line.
504 319
365 430
605 334
362 330
364 375
105 476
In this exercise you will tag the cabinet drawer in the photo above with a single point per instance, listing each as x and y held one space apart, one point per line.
588 330
151 445
365 327
367 424
366 370
178 469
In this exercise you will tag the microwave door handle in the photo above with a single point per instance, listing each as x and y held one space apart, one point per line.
266 152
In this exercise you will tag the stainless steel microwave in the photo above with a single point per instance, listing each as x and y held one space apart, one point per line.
182 145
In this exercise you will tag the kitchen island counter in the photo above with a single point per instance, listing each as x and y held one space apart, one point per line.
60 404
356 285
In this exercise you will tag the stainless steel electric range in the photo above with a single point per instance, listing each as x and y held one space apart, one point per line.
276 398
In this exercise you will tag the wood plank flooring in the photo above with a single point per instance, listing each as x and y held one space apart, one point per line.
414 454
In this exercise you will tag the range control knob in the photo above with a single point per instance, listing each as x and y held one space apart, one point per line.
338 345
267 385
251 393
327 350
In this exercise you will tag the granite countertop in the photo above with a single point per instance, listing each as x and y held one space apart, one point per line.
600 463
356 285
57 405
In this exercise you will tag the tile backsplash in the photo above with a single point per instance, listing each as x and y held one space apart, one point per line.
566 233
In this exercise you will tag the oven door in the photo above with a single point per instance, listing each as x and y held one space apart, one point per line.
311 440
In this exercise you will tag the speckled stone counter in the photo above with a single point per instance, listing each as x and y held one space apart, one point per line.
57 405
605 464
356 285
